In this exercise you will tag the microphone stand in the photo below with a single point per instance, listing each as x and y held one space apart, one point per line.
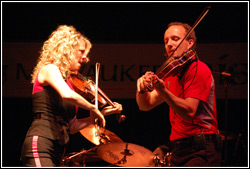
225 77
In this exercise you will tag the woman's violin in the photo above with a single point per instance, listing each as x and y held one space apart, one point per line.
86 88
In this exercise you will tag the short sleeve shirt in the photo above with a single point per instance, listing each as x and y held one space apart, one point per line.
197 82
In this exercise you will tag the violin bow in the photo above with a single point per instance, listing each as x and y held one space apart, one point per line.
202 15
96 83
120 117
97 134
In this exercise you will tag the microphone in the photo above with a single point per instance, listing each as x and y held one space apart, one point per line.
223 73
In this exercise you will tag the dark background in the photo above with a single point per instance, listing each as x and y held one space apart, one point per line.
125 23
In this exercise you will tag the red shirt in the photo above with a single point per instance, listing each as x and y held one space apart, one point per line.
197 82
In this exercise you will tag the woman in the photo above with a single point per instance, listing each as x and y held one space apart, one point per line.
55 103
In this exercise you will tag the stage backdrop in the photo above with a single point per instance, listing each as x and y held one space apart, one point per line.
123 64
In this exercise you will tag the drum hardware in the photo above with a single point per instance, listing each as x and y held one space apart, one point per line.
83 151
162 156
164 162
125 154
167 159
225 135
82 158
114 151
157 161
99 135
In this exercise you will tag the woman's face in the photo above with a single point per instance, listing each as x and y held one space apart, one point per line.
80 57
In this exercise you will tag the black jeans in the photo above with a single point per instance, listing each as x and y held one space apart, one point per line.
200 150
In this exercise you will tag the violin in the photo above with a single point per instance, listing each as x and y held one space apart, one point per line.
86 88
174 67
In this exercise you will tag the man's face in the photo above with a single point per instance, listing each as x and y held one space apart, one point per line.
172 37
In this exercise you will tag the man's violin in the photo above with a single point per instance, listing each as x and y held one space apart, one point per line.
174 67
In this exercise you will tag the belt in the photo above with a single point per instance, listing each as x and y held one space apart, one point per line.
38 115
189 141
57 118
210 137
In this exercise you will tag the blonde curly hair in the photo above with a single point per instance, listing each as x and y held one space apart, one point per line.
60 48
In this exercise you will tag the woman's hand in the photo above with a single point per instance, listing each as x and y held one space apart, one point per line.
97 115
112 110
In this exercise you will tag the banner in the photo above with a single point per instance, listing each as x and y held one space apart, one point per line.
123 64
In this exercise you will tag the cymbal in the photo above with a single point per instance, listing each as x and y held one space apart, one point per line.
229 135
99 135
125 154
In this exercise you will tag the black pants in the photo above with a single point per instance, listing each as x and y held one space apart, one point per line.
41 152
197 151
192 151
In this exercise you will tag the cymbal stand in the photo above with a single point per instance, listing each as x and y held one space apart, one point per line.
157 161
83 151
104 137
126 153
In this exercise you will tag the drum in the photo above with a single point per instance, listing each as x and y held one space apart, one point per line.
162 156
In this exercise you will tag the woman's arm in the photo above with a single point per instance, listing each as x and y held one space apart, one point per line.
51 75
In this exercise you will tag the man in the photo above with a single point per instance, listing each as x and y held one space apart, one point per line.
190 94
